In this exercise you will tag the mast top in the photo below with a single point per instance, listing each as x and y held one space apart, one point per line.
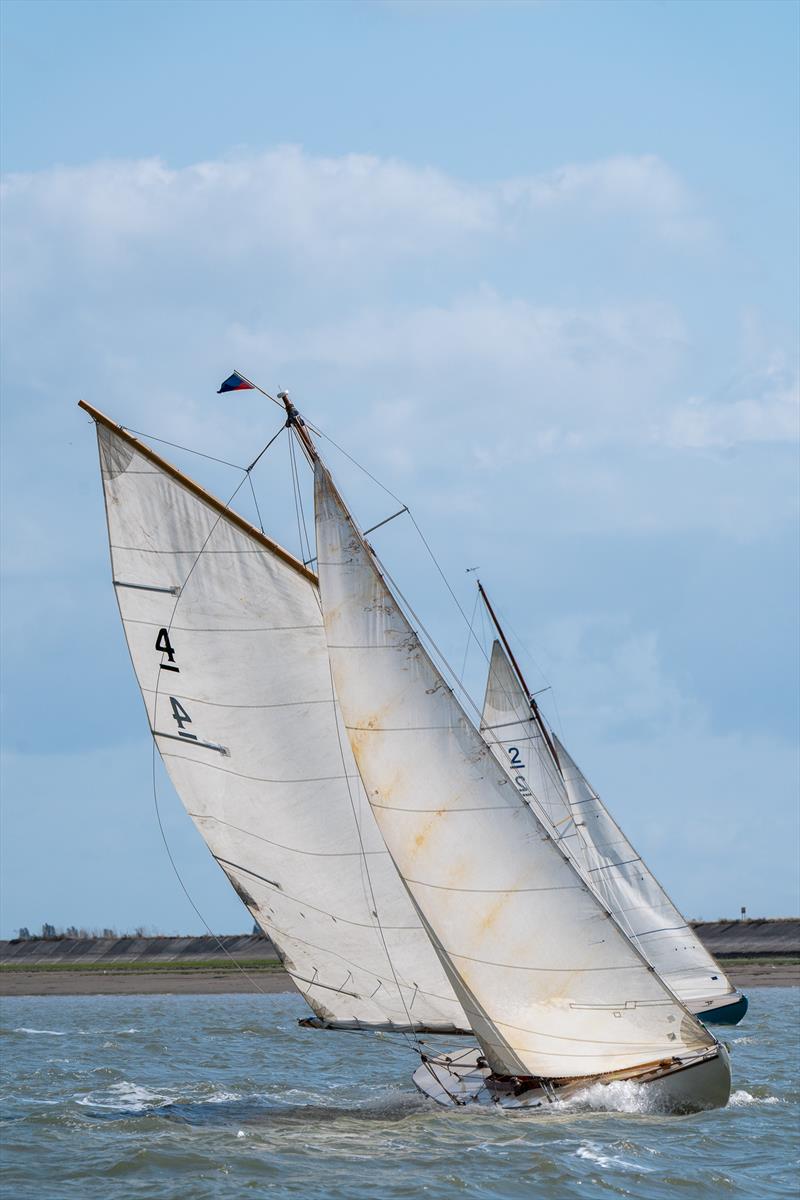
295 421
537 715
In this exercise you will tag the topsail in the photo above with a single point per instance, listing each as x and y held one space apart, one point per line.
226 637
552 987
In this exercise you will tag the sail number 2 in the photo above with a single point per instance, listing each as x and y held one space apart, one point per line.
518 765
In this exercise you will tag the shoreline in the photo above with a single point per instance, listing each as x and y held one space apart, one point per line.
259 981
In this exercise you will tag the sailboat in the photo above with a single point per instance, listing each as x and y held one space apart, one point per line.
476 918
226 639
565 801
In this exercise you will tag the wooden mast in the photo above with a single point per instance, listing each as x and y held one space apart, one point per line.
537 716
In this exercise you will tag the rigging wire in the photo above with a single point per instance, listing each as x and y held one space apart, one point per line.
469 636
305 551
255 501
176 446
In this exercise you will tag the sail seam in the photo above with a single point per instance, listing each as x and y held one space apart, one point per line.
255 778
495 891
232 707
222 628
314 908
235 550
281 846
486 962
450 1000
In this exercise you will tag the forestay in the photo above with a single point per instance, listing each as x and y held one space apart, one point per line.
637 898
550 985
227 641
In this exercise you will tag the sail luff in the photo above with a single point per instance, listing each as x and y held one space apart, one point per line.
531 700
526 942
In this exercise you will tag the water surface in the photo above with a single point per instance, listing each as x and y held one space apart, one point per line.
195 1097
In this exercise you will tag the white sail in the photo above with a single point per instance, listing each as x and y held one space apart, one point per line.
509 727
596 842
227 642
637 898
551 986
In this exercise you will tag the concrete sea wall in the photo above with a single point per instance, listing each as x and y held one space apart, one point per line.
767 938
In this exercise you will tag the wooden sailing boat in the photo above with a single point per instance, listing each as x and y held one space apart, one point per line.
502 933
577 817
558 994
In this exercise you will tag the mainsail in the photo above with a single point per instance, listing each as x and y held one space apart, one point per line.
226 638
598 845
550 983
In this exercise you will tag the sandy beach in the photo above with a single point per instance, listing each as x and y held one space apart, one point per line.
231 981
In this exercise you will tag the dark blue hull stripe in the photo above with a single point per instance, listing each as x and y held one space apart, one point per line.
729 1014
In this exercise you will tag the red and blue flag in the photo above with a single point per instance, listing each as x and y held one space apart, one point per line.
234 383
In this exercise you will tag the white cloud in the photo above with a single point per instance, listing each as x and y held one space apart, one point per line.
355 212
632 185
703 424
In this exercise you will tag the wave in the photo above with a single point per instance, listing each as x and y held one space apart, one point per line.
126 1097
741 1098
623 1096
597 1154
42 1032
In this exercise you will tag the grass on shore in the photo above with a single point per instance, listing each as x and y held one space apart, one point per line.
141 967
192 966
733 961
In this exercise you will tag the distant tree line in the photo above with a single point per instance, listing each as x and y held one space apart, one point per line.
51 933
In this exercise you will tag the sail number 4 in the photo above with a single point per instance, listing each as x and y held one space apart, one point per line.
165 646
179 713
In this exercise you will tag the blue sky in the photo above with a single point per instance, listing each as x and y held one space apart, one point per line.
536 265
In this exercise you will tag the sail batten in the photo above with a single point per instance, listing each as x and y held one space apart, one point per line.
247 672
526 944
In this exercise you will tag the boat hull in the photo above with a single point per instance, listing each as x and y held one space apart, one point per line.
729 1012
459 1080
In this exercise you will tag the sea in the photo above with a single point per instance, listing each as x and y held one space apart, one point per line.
195 1097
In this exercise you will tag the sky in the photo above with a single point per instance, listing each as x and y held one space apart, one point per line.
535 266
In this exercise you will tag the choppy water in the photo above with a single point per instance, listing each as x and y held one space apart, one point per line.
224 1096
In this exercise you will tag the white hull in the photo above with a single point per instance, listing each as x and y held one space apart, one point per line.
691 1085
